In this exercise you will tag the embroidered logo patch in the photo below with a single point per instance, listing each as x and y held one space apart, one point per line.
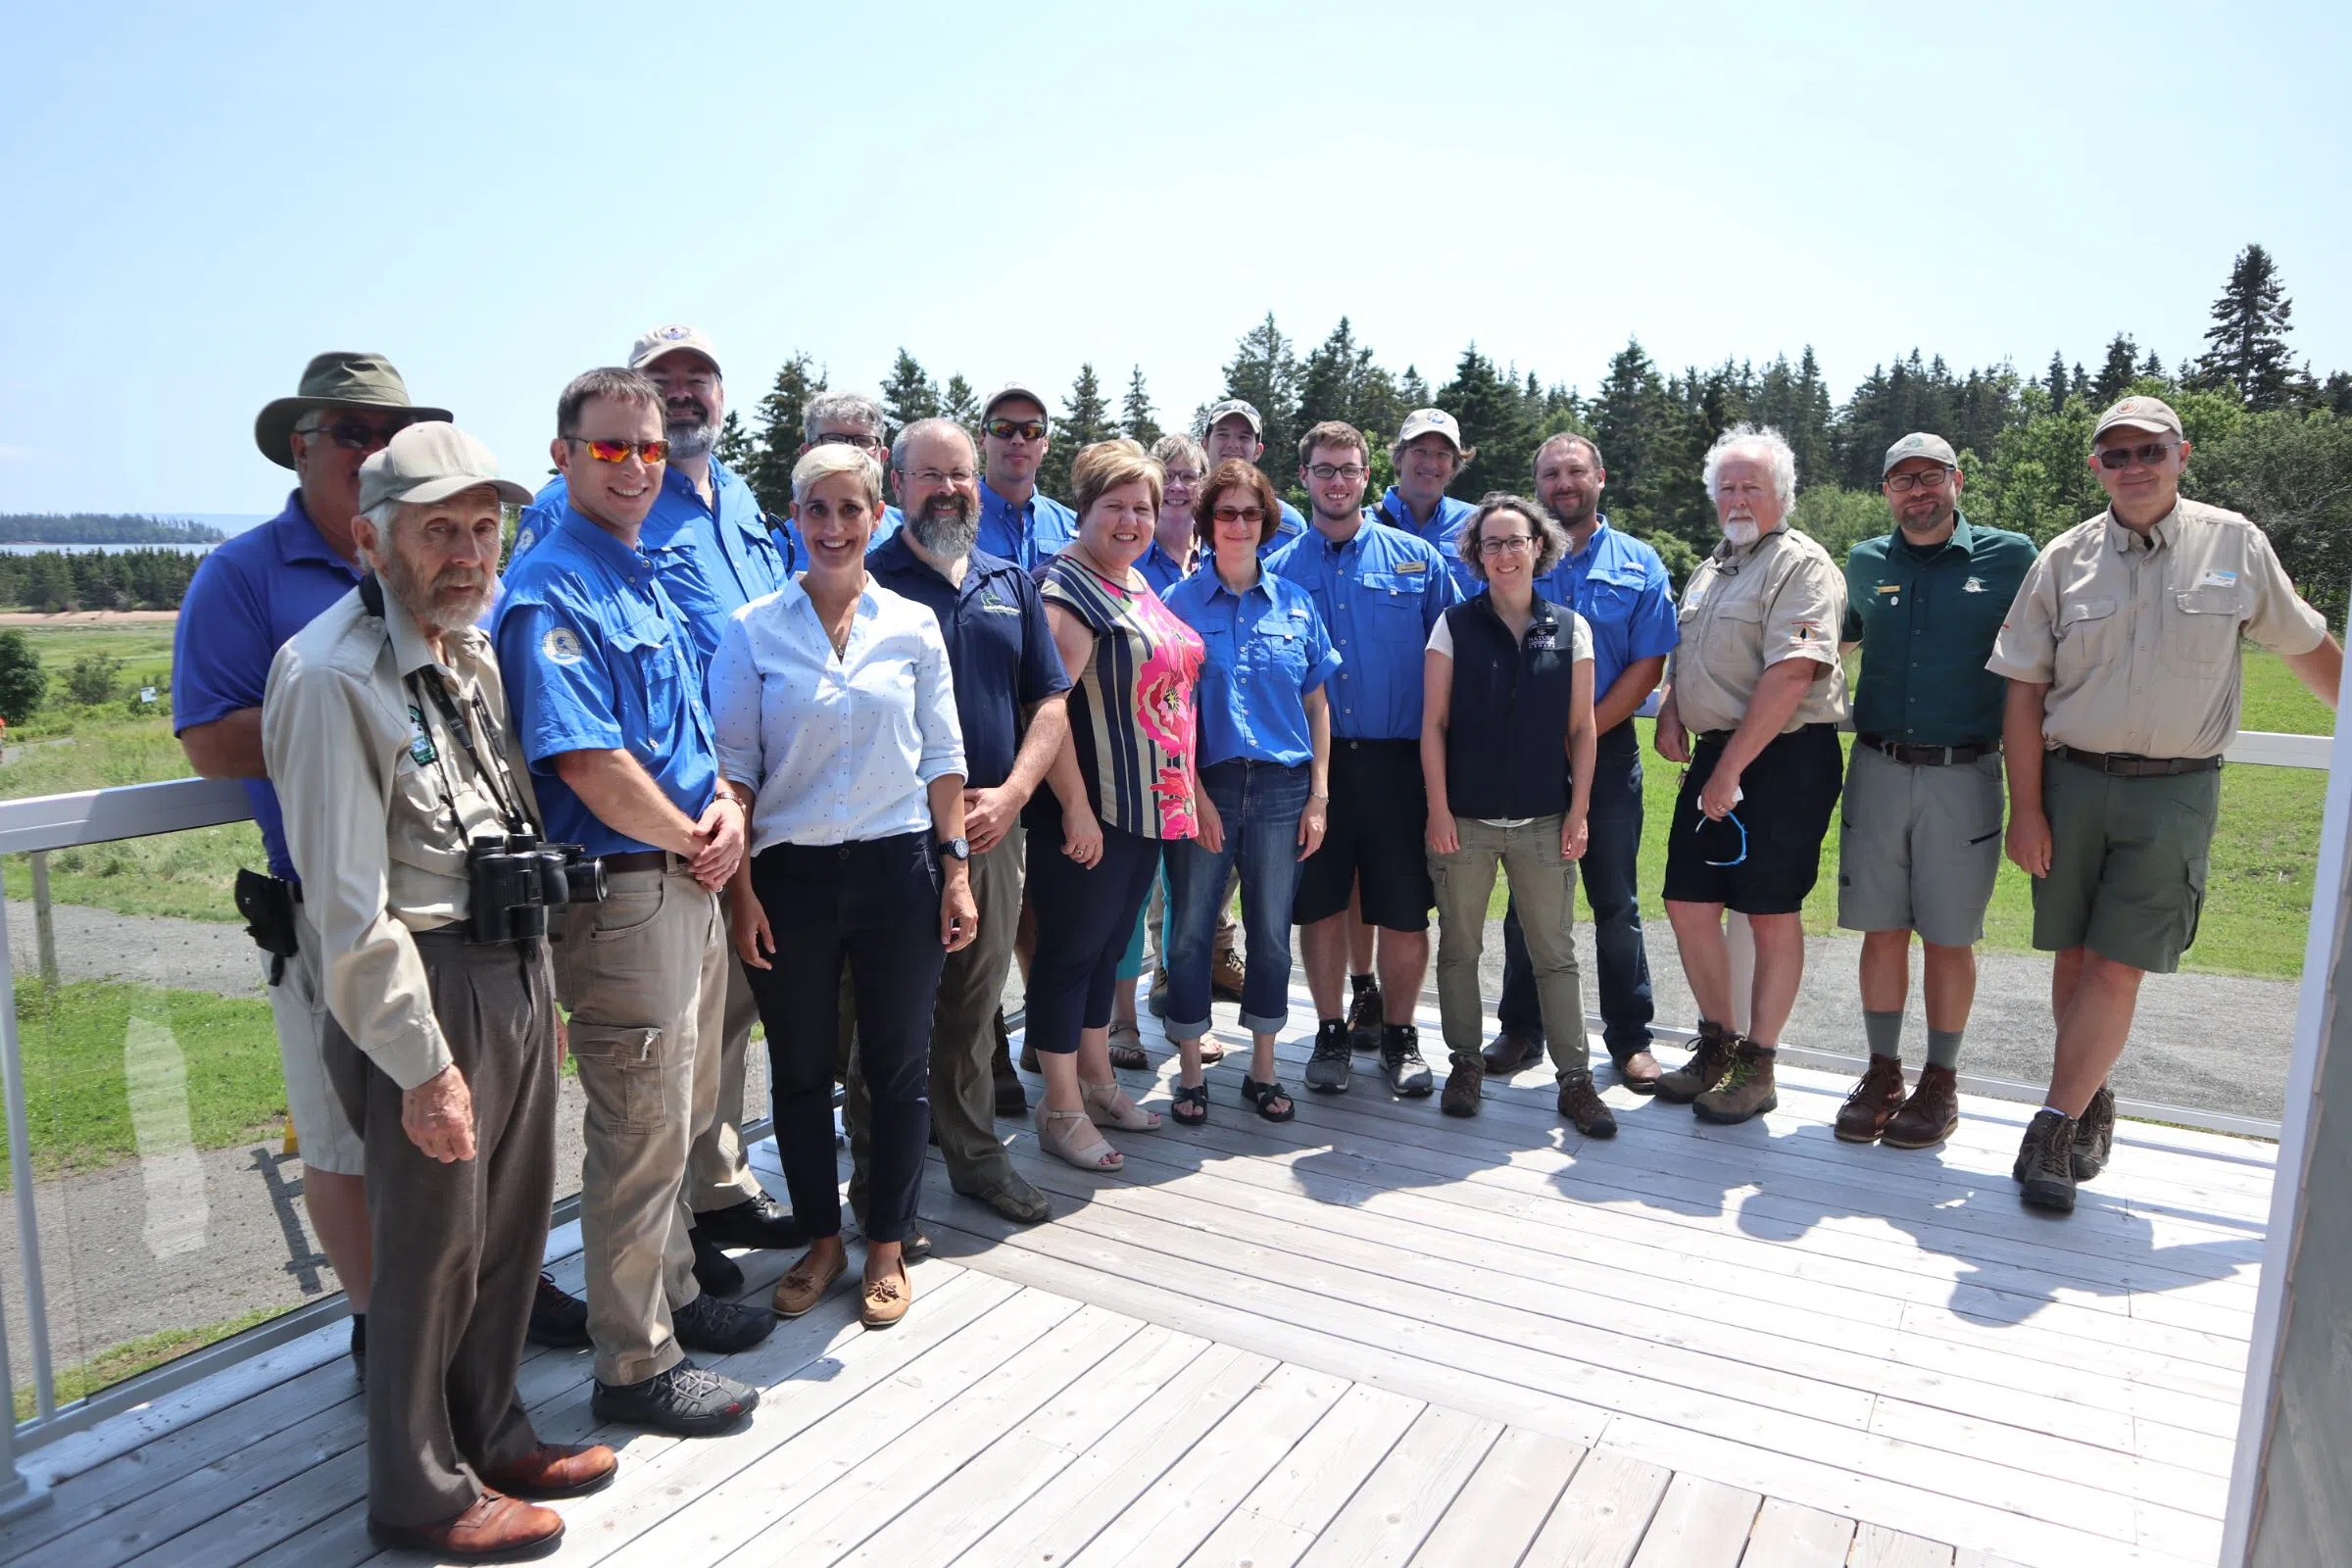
561 646
524 540
1974 585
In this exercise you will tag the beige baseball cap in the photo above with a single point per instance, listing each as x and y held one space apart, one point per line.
661 340
1422 421
1919 444
1241 406
2138 413
430 462
1016 389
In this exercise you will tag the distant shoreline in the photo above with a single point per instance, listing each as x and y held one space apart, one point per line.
30 618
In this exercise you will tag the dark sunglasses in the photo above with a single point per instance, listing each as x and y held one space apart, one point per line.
1023 429
652 451
2147 454
356 435
1250 514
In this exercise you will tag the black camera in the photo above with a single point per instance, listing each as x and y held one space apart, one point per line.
583 879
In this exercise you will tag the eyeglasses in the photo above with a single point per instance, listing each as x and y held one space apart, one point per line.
1250 514
933 478
2147 455
1324 473
862 441
1509 545
1017 430
1904 483
652 451
354 435
1732 818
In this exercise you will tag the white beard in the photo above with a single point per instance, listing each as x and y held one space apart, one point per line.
1739 535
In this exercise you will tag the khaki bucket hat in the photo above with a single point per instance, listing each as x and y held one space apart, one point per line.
336 380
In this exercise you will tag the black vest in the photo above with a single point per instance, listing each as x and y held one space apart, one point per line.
1506 736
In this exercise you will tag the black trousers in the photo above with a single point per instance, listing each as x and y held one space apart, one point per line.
873 905
1084 917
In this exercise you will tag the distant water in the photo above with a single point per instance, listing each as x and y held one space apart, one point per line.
229 523
101 549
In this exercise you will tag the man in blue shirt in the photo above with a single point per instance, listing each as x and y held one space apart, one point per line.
1427 455
606 693
1016 523
250 597
1620 586
1379 591
1236 430
851 419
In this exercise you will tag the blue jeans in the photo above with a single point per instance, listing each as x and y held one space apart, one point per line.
1258 804
1609 868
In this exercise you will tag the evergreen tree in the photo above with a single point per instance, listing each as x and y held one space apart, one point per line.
1136 418
1265 373
2152 369
734 447
959 402
1085 419
2116 376
1495 424
2246 345
22 683
2055 383
768 470
1631 419
908 395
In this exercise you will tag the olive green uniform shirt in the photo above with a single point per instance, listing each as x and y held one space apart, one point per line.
1745 611
2138 638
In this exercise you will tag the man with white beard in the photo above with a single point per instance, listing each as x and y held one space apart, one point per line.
1009 694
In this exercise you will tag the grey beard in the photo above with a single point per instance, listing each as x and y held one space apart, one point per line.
690 441
948 536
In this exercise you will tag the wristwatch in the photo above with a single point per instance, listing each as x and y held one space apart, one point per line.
957 848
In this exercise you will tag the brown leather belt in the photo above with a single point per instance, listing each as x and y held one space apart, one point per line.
637 860
1930 755
2122 765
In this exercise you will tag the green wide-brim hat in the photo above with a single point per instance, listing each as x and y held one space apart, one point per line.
335 379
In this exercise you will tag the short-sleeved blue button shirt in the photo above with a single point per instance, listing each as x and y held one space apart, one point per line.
1619 585
1000 648
596 657
1029 535
1379 594
251 596
1292 525
713 560
1161 570
1267 650
1444 530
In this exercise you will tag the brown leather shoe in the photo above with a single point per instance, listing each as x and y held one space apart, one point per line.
495 1526
804 1284
1640 1072
1581 1104
1929 1117
1463 1086
1710 1058
1744 1091
1225 977
554 1470
1509 1051
1873 1099
887 1299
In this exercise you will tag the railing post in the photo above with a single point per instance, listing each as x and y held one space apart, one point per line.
16 1492
44 930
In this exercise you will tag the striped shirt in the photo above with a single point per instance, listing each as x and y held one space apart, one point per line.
1131 713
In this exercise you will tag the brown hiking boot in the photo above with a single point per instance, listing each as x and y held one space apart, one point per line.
2045 1166
1929 1117
1225 977
1581 1104
1710 1056
1873 1102
1365 1016
1463 1084
1509 1051
2094 1135
1746 1089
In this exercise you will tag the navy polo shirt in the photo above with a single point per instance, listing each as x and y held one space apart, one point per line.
251 595
1266 650
1027 535
1000 648
1619 584
1506 727
1379 594
1442 530
596 657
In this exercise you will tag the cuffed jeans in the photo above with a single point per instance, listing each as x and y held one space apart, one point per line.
1084 917
1544 880
873 904
1259 804
1610 869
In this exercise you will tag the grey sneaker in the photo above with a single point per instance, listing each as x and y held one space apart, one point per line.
718 1327
1327 1070
686 1399
2094 1135
1400 1059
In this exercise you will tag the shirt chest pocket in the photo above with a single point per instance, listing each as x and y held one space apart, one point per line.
1733 628
2201 626
2090 634
651 685
420 820
1278 646
1609 597
1391 601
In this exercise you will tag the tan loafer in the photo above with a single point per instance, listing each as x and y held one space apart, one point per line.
888 1297
804 1284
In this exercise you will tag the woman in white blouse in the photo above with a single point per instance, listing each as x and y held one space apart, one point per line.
835 709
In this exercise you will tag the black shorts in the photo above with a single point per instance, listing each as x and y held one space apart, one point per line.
1787 794
1379 816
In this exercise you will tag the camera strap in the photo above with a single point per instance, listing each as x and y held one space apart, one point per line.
493 768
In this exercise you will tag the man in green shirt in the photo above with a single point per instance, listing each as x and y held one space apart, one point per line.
1920 840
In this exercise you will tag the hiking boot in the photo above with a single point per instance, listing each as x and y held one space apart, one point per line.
1327 1068
1225 977
1581 1104
559 1319
1365 1016
714 1270
1011 1098
1929 1117
1400 1059
721 1328
687 1399
1710 1056
2045 1162
1873 1101
1464 1085
1511 1049
2094 1135
1156 998
1746 1089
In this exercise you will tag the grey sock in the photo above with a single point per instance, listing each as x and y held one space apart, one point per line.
1885 1031
1943 1047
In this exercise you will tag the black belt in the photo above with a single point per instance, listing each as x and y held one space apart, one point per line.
637 860
2124 764
1930 755
1716 737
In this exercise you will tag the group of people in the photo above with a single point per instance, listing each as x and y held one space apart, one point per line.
684 767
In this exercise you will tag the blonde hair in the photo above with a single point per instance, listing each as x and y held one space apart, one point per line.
1108 464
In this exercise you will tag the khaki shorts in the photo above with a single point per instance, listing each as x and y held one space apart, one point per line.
2127 860
298 1003
1918 847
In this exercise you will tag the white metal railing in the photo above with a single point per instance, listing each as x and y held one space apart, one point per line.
53 822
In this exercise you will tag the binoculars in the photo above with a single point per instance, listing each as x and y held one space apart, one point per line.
516 879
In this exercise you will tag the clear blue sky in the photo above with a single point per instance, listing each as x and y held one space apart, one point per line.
498 196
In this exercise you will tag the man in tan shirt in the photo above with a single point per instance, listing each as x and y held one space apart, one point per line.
2122 652
385 728
1756 676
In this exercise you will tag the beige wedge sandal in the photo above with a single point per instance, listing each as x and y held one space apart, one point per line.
1107 1105
1069 1135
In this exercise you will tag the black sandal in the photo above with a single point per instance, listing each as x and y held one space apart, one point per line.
1263 1096
1192 1105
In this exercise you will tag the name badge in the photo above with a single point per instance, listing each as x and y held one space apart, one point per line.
1412 565
421 740
2217 579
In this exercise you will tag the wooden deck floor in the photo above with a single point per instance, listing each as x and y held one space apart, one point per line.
1377 1335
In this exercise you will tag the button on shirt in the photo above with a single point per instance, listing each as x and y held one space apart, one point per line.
1926 620
597 657
842 746
1745 611
1619 585
1026 535
1444 531
250 597
381 798
1000 648
2138 638
1379 594
1267 650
